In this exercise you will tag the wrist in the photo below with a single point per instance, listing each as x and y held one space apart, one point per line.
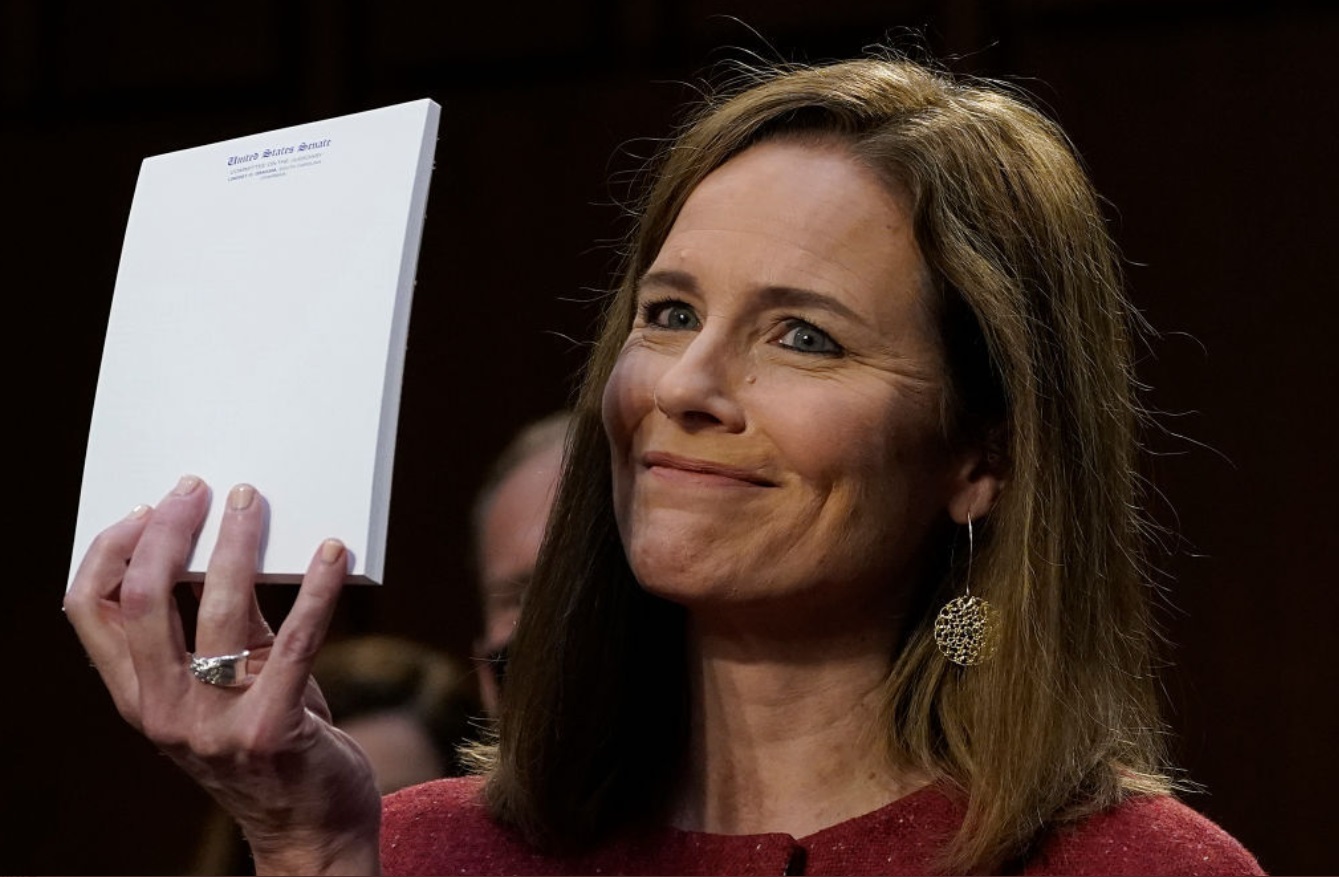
352 852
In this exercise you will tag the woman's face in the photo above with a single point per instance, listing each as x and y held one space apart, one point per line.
774 413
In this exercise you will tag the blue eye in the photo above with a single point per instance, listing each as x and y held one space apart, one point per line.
670 315
808 338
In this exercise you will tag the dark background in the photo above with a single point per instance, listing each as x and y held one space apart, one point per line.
1209 126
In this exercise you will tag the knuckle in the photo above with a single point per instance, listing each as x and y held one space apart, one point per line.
113 541
270 736
213 746
198 742
128 712
213 613
297 645
163 729
259 741
136 599
73 603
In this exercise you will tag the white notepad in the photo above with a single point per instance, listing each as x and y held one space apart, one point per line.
257 333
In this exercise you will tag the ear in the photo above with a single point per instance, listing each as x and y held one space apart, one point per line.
977 483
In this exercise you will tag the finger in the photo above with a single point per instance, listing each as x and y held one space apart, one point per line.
258 629
223 625
148 610
103 565
92 607
286 673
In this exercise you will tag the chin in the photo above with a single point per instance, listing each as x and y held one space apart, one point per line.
698 587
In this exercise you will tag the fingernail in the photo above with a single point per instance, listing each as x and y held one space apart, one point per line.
138 511
332 550
187 484
240 497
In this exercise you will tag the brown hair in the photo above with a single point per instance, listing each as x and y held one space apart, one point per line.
1063 721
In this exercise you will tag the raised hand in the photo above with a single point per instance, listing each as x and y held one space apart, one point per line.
302 790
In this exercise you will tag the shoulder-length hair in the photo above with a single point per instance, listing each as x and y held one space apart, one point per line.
1038 332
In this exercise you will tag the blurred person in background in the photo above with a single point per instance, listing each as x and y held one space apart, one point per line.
408 705
510 511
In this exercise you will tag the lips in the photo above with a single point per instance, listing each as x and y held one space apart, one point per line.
711 469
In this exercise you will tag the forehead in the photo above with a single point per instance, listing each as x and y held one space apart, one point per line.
801 215
514 521
803 207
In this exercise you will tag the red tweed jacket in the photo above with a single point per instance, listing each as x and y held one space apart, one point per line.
442 827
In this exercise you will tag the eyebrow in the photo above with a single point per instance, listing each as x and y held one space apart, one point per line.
773 296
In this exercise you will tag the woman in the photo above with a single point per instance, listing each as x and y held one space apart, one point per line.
868 364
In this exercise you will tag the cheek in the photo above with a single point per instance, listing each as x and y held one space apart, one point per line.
829 434
628 398
621 409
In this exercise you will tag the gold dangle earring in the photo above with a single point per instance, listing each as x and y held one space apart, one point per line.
967 628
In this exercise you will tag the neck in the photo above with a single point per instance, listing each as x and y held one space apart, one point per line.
788 734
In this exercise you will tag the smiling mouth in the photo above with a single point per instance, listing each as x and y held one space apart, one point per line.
703 470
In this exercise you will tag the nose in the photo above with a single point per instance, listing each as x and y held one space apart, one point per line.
699 389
